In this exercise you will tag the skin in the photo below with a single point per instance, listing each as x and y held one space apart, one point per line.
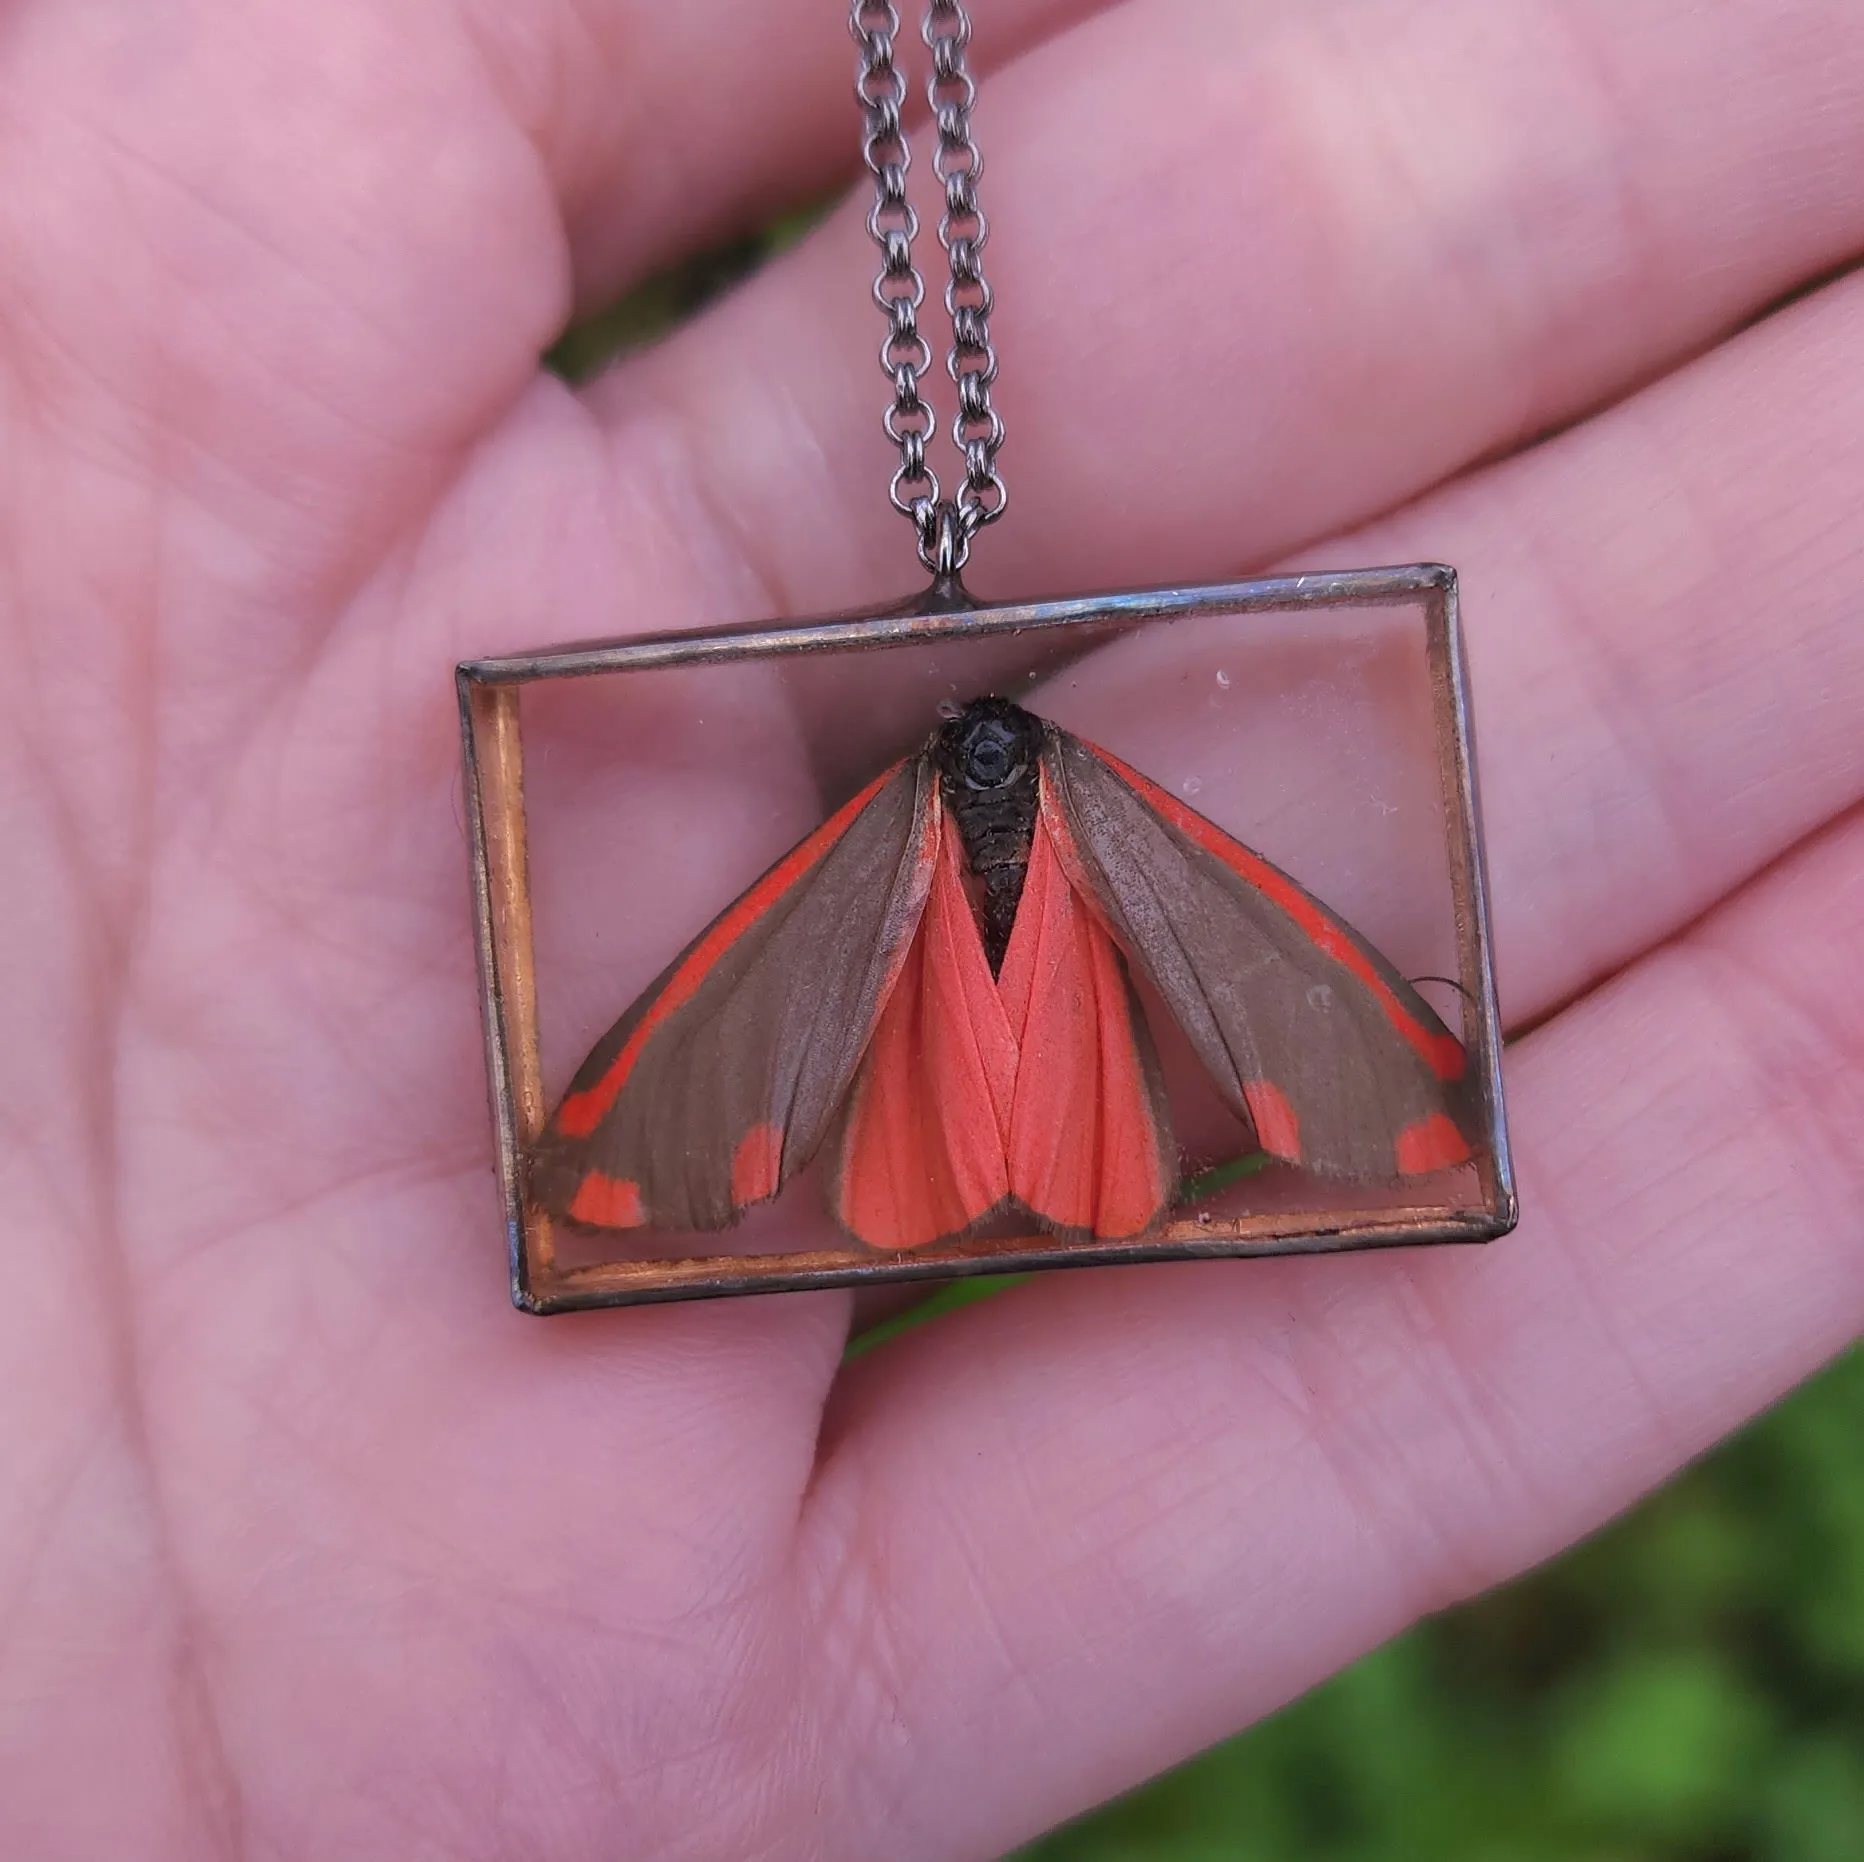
309 1547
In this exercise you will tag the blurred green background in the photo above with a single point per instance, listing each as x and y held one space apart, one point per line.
1686 1687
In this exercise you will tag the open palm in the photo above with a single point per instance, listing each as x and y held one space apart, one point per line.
308 1545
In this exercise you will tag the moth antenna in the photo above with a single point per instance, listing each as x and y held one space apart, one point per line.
1449 982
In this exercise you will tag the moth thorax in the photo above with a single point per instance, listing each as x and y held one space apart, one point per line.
988 757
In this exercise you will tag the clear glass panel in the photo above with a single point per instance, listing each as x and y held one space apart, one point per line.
1318 736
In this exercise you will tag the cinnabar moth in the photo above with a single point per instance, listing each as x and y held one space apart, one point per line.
934 987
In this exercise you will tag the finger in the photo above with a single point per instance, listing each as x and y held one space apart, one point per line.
1802 746
1205 361
1613 822
1665 660
685 552
269 270
256 364
1130 1512
94 1640
1623 598
506 502
665 127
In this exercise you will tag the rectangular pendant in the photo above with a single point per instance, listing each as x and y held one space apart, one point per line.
1322 720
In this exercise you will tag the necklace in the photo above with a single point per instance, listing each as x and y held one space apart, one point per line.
1016 1002
945 527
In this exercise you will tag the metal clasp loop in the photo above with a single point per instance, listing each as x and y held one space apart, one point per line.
944 537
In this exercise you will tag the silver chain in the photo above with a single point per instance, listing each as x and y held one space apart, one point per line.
945 526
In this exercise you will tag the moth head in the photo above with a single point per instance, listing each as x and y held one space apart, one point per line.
990 745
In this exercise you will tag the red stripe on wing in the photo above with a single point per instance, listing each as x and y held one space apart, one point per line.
1441 1053
580 1113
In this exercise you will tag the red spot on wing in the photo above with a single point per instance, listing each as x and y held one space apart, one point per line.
1442 1053
1432 1143
581 1112
1278 1131
756 1165
607 1202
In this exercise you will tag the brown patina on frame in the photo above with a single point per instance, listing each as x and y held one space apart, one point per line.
489 698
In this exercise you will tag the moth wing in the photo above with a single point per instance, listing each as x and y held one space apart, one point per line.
1089 1139
1305 1029
921 1154
724 1078
1039 1085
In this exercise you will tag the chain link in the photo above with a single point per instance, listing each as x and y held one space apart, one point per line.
945 526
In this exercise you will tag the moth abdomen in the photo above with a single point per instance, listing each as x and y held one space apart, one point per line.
988 758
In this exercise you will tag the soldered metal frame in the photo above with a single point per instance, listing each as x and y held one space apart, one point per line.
489 700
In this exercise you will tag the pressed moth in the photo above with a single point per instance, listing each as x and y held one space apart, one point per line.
934 992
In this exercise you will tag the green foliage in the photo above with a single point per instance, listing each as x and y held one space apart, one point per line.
953 1294
1686 1687
657 304
950 1296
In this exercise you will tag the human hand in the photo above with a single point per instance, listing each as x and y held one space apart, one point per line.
288 1567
